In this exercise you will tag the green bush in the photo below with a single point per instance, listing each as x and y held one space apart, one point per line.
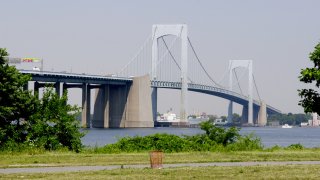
246 143
295 147
163 142
214 139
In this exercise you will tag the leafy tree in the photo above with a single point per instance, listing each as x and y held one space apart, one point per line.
219 134
212 118
224 118
236 118
311 98
16 104
55 124
48 123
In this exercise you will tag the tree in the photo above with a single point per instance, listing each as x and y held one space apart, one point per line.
220 135
236 118
16 104
310 97
55 124
48 123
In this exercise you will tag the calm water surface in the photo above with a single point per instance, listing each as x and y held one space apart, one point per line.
308 137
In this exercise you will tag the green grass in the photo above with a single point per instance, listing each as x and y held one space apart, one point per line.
67 158
252 172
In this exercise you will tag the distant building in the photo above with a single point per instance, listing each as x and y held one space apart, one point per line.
315 119
314 122
220 122
169 116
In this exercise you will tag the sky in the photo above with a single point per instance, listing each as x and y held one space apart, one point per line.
101 37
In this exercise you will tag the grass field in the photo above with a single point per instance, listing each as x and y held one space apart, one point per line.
57 158
253 172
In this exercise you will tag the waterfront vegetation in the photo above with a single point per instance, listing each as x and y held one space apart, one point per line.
214 139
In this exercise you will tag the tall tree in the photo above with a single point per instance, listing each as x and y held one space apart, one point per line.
310 97
55 123
16 104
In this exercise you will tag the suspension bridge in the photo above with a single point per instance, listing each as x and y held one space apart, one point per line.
167 59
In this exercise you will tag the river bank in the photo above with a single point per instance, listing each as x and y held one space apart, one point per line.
270 136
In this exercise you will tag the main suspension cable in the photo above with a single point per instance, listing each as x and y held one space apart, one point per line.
235 73
202 65
174 59
255 85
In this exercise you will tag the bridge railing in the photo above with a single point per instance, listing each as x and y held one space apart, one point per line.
73 75
177 85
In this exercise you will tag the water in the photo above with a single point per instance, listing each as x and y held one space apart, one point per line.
308 137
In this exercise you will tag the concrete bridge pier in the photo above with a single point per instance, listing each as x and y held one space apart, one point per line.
244 116
101 107
262 114
109 107
85 116
230 112
57 88
255 114
36 89
139 105
37 86
259 115
154 99
119 106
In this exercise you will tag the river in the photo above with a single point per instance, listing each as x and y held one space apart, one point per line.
270 136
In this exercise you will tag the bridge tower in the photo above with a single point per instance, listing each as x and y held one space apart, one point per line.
181 31
246 64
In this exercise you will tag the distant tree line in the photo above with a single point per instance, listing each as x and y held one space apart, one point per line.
291 119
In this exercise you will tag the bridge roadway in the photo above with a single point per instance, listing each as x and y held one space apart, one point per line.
44 76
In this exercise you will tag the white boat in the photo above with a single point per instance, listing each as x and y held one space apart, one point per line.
286 126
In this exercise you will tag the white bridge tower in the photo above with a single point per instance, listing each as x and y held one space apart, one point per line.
181 31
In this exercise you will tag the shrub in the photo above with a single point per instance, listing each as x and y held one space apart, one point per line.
246 143
219 134
295 147
215 139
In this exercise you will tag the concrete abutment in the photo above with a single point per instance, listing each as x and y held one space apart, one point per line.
120 106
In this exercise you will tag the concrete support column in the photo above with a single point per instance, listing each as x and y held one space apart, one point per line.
139 108
85 105
57 88
230 112
89 122
256 110
118 102
244 119
106 106
64 88
262 114
154 99
36 89
101 108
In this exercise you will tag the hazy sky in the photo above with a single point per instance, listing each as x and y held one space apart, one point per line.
100 37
